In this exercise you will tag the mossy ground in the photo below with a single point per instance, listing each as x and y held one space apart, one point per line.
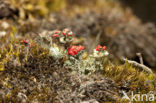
32 75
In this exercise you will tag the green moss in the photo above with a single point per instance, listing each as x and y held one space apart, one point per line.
27 64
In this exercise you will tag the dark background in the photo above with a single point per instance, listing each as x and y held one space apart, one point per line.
144 9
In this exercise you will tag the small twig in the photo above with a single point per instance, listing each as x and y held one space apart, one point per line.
140 58
134 63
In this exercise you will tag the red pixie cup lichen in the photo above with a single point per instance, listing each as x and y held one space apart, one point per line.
26 43
67 32
104 48
63 33
55 35
57 32
79 48
70 34
73 50
31 45
99 47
